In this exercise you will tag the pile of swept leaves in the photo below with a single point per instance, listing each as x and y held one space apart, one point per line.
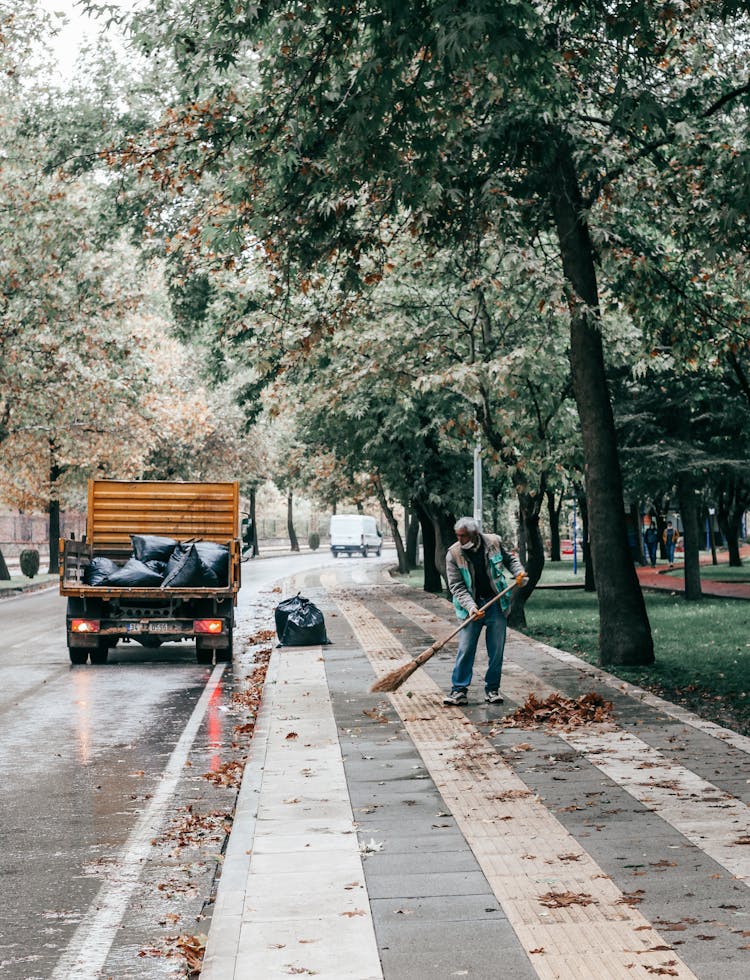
559 711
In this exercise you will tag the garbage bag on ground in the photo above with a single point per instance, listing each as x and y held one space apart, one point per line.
134 573
282 611
152 547
304 624
185 569
98 570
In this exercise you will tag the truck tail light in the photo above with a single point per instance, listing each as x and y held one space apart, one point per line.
208 626
84 625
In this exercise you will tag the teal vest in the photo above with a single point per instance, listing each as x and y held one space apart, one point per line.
497 571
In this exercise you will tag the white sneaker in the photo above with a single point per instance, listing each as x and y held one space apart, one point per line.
456 697
493 697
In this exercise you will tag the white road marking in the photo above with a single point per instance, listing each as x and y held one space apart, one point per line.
88 949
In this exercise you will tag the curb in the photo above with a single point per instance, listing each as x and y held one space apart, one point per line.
222 947
15 591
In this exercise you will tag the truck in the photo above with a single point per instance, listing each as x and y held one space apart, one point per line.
98 616
354 534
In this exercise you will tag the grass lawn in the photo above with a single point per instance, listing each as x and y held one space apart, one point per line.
702 648
718 573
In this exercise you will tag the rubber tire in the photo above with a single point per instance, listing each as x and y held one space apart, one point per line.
100 654
365 552
78 655
377 553
204 655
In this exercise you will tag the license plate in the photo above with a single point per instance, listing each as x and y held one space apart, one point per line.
159 627
133 627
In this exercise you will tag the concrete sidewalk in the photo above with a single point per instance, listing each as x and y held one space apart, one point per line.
388 836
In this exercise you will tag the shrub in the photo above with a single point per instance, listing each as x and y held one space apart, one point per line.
29 562
313 540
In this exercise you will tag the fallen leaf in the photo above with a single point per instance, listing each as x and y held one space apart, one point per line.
559 900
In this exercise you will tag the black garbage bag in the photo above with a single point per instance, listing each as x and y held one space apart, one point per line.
151 547
305 625
98 570
282 612
160 567
185 569
135 573
215 558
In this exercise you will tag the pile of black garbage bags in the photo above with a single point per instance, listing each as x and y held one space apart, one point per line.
162 563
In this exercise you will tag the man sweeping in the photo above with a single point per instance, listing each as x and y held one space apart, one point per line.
475 567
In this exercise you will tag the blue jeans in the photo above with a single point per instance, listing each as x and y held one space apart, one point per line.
496 625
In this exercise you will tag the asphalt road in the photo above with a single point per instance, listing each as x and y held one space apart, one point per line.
104 769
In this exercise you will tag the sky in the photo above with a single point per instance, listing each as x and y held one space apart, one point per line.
76 28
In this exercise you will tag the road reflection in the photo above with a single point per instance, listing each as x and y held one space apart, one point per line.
215 725
82 689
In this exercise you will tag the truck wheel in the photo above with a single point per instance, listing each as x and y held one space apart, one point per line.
225 656
204 655
377 553
78 655
100 654
365 552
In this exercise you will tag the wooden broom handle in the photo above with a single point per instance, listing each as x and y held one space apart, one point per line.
441 643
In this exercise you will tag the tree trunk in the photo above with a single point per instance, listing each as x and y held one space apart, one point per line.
4 573
731 504
589 584
528 506
523 550
624 630
294 544
635 519
445 536
553 511
433 581
412 540
731 532
690 513
403 565
54 521
711 538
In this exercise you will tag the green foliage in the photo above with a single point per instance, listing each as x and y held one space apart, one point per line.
313 540
29 562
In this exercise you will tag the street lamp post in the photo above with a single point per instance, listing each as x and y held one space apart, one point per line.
478 484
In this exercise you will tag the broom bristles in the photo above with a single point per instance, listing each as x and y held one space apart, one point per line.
393 680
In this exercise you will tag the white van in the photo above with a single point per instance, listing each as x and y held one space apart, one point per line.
355 534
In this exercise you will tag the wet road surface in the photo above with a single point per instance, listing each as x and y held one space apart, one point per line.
105 770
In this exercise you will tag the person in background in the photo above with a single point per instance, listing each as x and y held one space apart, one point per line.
651 540
475 567
670 537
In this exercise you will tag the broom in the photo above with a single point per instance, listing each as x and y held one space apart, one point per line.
394 680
